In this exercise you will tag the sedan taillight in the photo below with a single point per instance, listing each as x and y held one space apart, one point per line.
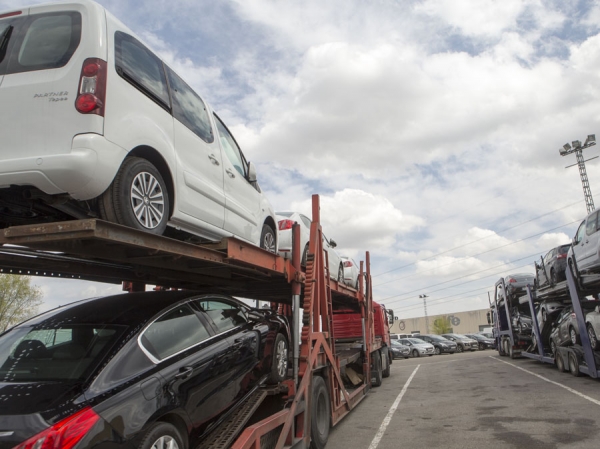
285 224
64 434
92 87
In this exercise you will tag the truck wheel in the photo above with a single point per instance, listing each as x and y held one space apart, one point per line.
320 417
137 197
279 364
574 364
376 370
386 361
511 351
501 348
560 363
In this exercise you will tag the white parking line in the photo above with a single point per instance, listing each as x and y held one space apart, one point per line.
388 417
595 401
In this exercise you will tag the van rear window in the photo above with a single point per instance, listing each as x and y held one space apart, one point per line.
43 41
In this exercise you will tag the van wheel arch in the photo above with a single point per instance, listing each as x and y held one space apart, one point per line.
156 159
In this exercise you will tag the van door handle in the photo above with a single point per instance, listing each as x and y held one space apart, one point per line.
213 159
230 173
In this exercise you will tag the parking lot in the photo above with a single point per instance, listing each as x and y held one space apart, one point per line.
474 400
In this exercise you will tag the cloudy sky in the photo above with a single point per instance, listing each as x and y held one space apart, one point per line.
430 128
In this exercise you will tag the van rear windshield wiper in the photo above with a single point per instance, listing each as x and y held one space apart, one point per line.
4 38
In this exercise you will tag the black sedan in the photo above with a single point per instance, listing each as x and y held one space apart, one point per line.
399 350
483 341
140 370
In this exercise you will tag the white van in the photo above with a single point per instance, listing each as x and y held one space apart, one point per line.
94 124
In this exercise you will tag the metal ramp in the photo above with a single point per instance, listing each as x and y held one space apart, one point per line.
223 435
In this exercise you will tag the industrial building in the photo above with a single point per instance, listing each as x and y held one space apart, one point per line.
459 322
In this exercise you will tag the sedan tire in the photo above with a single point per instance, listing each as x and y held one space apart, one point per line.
279 365
437 350
161 435
416 353
459 348
592 336
481 346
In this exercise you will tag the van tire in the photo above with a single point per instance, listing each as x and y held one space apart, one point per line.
117 203
268 239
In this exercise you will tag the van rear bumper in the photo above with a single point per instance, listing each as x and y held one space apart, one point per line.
83 173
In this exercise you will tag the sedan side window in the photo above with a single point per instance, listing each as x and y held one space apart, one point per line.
231 148
590 227
174 332
225 316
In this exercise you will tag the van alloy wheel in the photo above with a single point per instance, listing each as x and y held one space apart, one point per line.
147 200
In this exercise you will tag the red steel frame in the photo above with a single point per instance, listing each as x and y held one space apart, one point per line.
317 351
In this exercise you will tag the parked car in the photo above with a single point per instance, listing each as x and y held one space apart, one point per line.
441 345
516 284
521 323
100 126
592 322
566 331
285 221
548 309
584 255
351 272
482 341
552 268
462 343
418 347
399 350
159 367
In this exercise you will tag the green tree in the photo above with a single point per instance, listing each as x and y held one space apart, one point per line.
19 299
441 325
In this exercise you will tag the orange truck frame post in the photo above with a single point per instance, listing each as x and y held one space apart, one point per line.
317 350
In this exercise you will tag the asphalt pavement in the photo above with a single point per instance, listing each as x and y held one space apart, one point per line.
474 400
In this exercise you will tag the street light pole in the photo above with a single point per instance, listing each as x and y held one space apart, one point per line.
424 298
577 148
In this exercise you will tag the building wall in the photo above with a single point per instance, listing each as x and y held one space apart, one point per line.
460 322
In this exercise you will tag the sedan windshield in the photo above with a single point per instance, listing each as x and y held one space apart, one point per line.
65 353
416 341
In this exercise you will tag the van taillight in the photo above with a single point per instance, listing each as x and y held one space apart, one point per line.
347 264
64 434
92 87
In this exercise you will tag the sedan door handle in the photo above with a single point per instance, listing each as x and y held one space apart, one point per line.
230 173
184 372
213 159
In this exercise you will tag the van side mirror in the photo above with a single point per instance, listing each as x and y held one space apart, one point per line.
251 172
332 243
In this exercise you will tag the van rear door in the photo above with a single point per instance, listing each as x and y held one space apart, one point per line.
41 72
